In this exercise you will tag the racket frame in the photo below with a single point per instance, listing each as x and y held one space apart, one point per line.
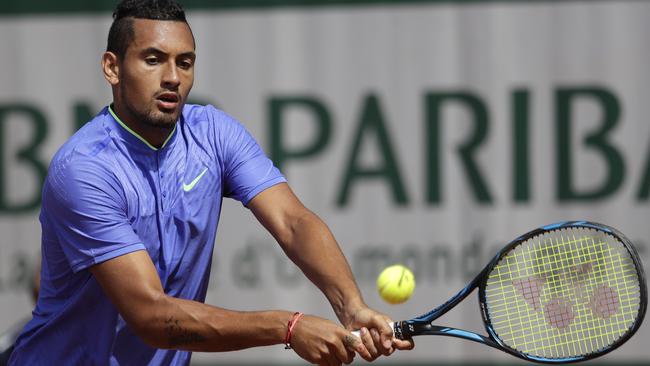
422 325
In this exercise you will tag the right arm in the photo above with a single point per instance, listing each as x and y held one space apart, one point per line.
162 321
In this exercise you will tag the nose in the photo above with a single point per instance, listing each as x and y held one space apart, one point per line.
170 78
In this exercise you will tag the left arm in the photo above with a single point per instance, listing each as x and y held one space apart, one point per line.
310 244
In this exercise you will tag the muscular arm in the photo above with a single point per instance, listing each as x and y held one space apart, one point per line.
308 242
162 321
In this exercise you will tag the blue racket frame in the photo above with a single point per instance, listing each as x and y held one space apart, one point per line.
422 325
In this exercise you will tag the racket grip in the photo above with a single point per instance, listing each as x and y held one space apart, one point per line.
358 332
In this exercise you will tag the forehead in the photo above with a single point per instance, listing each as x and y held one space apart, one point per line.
166 35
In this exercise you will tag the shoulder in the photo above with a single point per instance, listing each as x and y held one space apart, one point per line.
213 127
208 117
84 160
90 140
74 178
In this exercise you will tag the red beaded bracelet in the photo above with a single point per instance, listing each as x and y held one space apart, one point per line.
290 326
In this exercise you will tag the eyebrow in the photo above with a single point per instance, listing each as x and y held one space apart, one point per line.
155 50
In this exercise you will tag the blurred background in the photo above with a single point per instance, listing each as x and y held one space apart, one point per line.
427 132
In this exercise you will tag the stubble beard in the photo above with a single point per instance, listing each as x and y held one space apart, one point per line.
152 117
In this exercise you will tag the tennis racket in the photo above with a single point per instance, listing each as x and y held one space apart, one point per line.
565 292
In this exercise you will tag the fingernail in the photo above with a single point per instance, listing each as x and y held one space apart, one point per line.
363 331
387 343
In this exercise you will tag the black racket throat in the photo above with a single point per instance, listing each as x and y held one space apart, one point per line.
423 325
406 330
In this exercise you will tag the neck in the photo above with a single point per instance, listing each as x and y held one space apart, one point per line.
156 136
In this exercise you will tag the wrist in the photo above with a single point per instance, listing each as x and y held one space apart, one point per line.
290 328
349 310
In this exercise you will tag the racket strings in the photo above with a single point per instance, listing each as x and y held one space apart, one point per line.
561 317
560 309
565 293
559 313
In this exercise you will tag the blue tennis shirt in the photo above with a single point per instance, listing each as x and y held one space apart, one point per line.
109 193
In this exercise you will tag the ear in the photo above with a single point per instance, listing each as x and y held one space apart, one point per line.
110 68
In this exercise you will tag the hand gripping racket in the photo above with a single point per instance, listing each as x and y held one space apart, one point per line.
565 292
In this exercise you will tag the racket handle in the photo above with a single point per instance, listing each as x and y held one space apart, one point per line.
358 332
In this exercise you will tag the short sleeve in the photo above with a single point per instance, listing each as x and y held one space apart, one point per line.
247 170
86 213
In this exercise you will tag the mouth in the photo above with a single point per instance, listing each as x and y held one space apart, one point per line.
168 100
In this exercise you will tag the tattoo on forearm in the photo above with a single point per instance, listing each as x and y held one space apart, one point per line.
178 335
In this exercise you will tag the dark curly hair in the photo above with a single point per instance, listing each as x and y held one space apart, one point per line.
121 32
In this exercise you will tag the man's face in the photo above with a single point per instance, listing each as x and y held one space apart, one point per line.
157 72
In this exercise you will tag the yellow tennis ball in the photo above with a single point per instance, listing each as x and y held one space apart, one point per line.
395 284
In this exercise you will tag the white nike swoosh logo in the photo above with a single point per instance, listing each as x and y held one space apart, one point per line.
188 187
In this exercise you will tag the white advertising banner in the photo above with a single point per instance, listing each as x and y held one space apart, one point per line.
427 134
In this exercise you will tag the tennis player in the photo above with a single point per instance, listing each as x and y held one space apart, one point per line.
129 215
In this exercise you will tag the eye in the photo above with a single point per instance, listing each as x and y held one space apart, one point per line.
185 64
151 60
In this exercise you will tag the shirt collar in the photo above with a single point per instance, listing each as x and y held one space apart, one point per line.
132 137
